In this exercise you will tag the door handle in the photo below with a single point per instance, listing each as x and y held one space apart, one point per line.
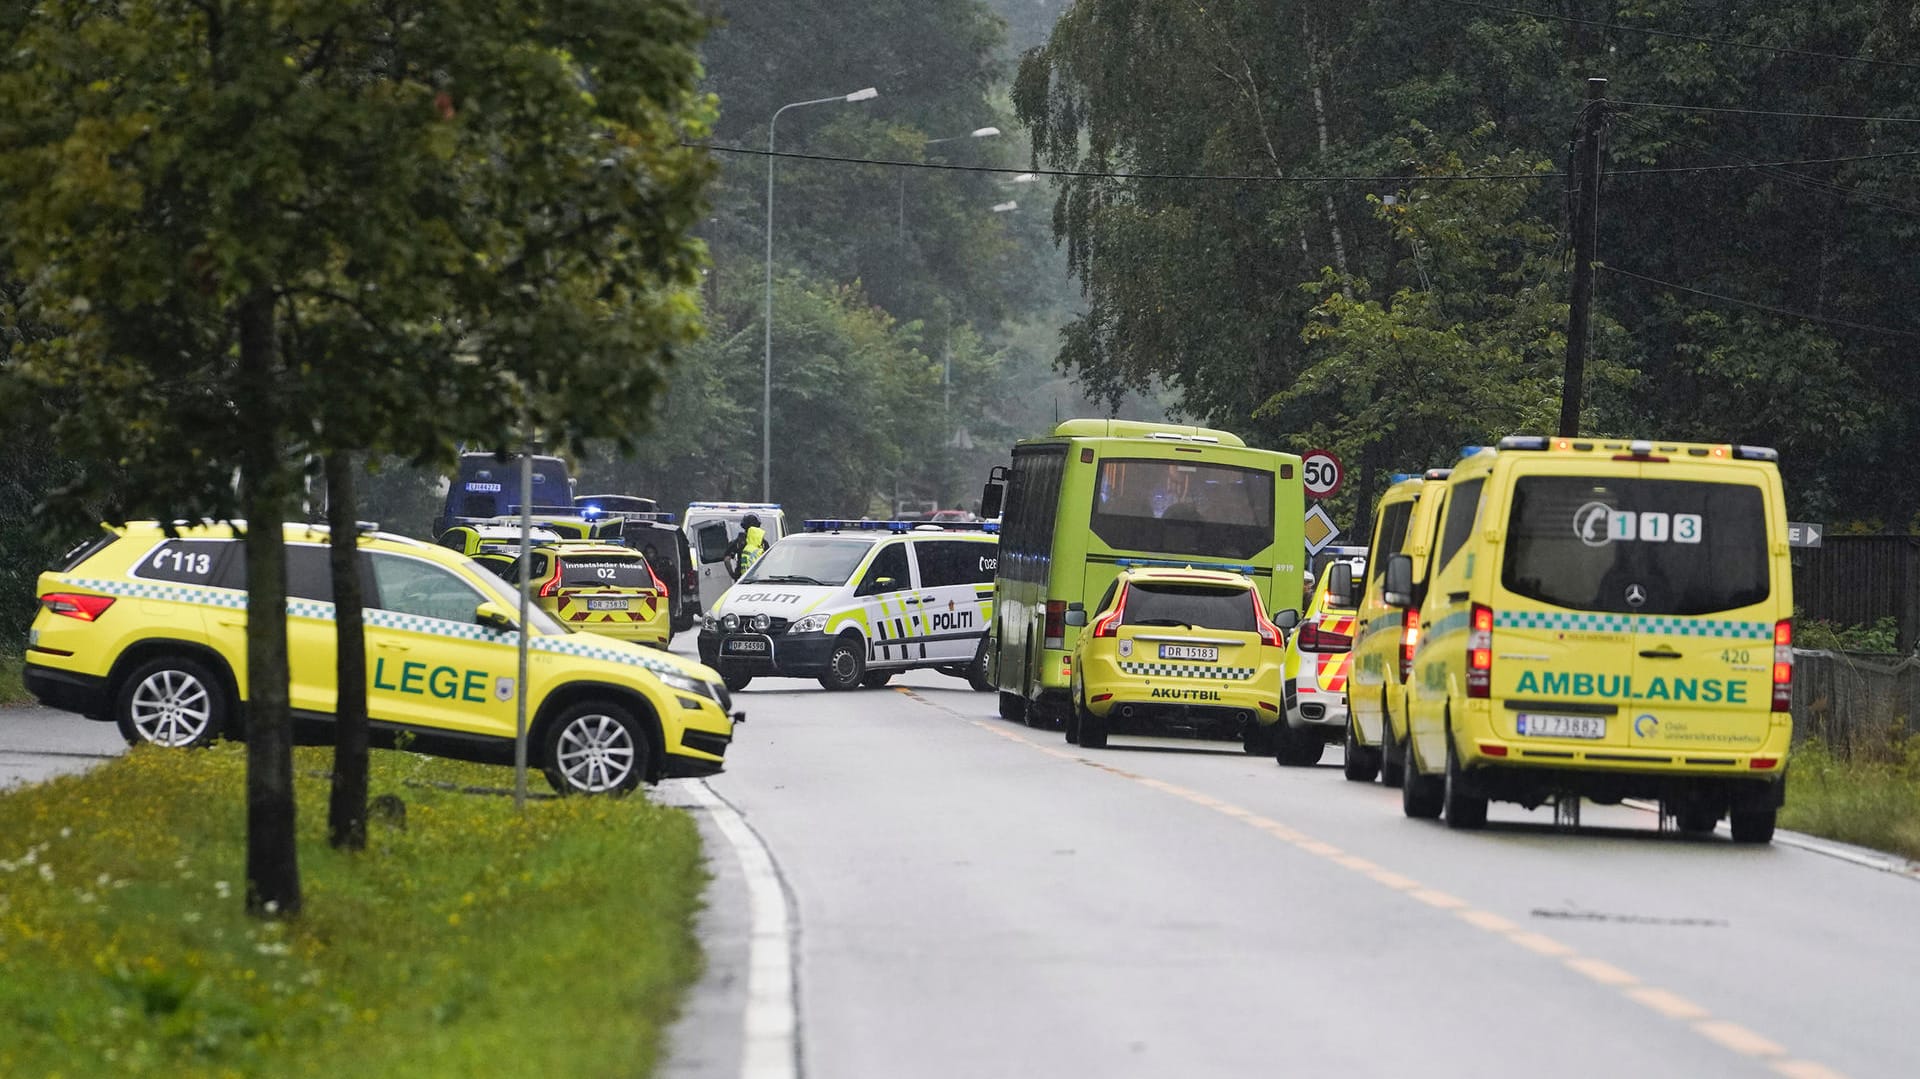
1457 597
1657 654
392 647
913 599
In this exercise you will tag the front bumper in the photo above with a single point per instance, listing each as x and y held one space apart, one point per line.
796 655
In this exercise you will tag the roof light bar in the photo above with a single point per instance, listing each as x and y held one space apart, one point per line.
1517 442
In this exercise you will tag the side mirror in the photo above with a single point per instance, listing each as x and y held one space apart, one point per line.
1286 619
1076 617
884 584
1399 590
1340 585
494 617
994 493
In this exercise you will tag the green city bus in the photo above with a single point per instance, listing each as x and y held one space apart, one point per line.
1097 496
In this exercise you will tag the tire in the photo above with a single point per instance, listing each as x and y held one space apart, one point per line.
1258 740
735 678
1421 796
875 679
1753 825
1393 765
1362 763
172 701
1071 728
1294 748
1463 810
846 664
1093 731
595 747
1013 706
977 670
1694 819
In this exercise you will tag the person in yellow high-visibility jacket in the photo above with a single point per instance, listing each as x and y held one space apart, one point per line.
748 546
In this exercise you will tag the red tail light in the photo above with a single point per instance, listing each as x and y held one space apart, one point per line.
1269 633
1783 666
76 605
1055 635
1409 640
659 586
1480 652
1313 638
552 583
1107 625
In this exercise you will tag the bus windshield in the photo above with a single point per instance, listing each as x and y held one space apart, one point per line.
1172 507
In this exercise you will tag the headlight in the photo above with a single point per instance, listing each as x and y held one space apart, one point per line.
729 622
710 622
812 623
684 683
760 623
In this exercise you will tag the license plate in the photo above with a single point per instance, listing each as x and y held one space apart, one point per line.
746 644
1206 652
1547 726
607 604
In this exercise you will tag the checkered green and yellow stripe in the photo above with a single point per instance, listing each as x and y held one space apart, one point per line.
1187 670
1585 622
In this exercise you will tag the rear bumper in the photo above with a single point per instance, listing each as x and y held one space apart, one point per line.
1535 784
1316 708
69 692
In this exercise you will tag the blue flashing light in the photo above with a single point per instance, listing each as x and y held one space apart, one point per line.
1400 477
990 527
1163 563
591 510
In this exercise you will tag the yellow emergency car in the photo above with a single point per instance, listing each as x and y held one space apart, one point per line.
1605 619
149 631
1174 651
1406 522
1313 689
592 587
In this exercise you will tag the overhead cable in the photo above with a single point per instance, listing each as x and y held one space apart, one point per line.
1759 306
1768 112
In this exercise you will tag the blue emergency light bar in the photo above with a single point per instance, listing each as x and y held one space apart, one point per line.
733 505
592 511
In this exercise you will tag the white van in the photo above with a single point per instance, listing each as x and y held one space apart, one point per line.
711 527
853 602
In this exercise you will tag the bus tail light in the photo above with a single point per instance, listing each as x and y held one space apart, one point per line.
1480 652
1270 634
1783 666
1108 625
1409 639
76 605
1056 630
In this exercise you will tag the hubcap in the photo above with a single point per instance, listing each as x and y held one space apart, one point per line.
171 708
595 753
843 665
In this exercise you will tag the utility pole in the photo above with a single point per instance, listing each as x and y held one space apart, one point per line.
1583 195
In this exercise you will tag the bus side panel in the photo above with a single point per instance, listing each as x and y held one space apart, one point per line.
1026 562
1289 535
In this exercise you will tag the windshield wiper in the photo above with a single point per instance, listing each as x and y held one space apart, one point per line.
1161 622
788 578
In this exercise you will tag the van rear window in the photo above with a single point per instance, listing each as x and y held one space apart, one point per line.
1199 606
1637 546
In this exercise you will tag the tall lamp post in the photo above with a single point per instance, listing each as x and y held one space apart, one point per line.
976 133
766 392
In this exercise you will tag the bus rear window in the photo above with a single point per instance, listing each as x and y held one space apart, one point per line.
1637 546
1202 607
1173 507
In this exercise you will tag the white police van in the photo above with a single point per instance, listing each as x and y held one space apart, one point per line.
711 527
851 603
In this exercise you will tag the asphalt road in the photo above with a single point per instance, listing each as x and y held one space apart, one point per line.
39 743
971 898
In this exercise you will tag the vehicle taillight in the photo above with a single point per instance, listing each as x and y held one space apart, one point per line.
1480 652
1316 638
1783 666
1108 625
1409 639
76 604
1055 635
659 586
552 583
1269 633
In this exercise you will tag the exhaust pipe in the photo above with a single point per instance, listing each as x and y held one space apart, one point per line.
1126 711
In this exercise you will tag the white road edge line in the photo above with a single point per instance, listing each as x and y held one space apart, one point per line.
771 1023
1845 852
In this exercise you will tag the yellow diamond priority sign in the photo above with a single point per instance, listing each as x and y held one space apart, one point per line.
1320 529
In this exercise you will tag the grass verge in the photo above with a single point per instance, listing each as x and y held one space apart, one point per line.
12 690
1872 799
473 940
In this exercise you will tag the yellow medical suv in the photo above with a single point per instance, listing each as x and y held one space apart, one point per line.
1604 619
1406 522
852 603
1319 657
149 631
587 586
1187 652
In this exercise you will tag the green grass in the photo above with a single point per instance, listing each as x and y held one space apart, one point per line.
1872 798
475 941
12 691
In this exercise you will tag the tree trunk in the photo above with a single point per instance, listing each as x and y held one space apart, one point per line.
273 867
1314 71
347 804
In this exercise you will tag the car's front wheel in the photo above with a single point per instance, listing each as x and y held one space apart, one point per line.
846 664
1362 763
595 748
1295 747
735 678
171 701
976 673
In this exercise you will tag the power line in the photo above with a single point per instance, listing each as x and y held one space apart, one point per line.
1760 306
1775 49
1766 112
1775 169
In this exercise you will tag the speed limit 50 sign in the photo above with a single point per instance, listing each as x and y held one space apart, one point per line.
1320 473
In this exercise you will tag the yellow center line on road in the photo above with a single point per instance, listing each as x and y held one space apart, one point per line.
1722 1032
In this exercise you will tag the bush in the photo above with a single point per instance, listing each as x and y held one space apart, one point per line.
1882 637
1872 798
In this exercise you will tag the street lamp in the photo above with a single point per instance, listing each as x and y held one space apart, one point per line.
766 392
900 224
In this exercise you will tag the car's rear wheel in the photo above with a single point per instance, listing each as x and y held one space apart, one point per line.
1421 796
1093 731
1071 728
846 664
171 701
1362 762
1393 765
875 679
1753 825
1013 706
1297 748
1694 818
1463 809
595 747
1257 740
